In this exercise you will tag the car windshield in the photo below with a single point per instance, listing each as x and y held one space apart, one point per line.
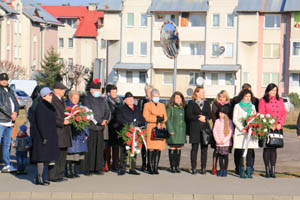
21 94
285 100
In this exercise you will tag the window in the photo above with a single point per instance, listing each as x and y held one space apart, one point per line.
103 44
270 78
143 49
142 77
130 19
294 80
197 48
129 49
245 77
229 79
144 22
193 78
297 19
174 19
271 50
215 49
129 77
70 61
61 61
214 79
229 50
197 20
230 20
296 48
61 42
184 19
15 51
168 78
72 22
216 20
272 21
70 43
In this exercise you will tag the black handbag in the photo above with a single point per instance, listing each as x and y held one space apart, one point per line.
275 139
206 135
159 133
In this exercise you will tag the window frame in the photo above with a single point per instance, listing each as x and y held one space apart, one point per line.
232 20
232 50
271 50
129 55
61 39
271 78
69 39
142 26
212 22
292 48
145 73
140 53
126 75
127 25
193 73
274 15
232 78
211 53
69 61
216 79
164 74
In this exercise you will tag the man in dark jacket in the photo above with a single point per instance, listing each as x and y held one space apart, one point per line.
239 152
9 109
94 160
63 130
128 114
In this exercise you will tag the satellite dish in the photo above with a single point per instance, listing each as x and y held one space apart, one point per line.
221 50
169 39
200 81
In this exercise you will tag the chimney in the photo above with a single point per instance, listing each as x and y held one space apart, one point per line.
92 6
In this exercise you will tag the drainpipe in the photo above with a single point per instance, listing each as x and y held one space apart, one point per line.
121 34
237 55
151 47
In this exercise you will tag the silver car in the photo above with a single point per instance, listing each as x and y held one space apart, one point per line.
22 97
289 106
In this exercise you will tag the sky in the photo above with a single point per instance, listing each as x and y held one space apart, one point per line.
60 2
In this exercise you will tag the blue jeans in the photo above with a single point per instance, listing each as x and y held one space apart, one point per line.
6 133
21 160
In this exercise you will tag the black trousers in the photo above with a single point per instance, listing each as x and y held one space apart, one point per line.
94 158
194 153
123 154
223 160
270 156
249 158
57 171
238 153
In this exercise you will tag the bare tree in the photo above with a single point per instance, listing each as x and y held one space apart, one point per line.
74 74
13 71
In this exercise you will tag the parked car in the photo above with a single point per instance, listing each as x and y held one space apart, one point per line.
289 106
22 97
25 85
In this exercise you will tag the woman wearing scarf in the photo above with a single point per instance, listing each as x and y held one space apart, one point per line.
241 111
198 113
221 100
176 127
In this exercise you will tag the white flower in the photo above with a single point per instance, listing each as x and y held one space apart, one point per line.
127 147
272 121
89 117
265 130
264 120
261 116
268 115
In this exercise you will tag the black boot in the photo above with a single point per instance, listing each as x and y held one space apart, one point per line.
156 161
68 170
172 160
273 171
73 170
144 159
177 156
267 175
150 155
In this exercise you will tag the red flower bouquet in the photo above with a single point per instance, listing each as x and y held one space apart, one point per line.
78 116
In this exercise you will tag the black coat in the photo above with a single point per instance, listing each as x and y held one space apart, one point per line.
63 131
195 126
100 109
44 128
113 125
5 104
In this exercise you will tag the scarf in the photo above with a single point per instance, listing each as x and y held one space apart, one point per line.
178 106
222 103
114 101
247 107
200 103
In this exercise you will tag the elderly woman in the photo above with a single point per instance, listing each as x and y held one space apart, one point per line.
156 116
44 138
79 144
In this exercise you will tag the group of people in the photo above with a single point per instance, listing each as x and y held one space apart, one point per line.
98 149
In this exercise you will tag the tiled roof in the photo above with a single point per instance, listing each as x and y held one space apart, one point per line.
87 19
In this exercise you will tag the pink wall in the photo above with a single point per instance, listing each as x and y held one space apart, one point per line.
282 31
50 38
288 53
260 90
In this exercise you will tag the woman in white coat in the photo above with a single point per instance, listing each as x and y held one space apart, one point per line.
241 111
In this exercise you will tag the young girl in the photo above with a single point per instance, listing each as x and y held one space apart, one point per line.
222 131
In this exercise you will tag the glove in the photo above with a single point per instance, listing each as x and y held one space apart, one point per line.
45 141
159 119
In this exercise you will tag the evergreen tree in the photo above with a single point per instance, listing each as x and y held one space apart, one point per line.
51 68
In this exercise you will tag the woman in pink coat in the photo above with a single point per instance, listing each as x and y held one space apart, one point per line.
222 132
273 105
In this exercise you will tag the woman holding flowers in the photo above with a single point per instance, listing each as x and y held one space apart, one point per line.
79 137
176 127
241 111
271 104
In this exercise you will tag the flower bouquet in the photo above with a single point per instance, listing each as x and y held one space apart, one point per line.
260 124
79 116
133 138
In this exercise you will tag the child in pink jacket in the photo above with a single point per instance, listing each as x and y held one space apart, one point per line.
222 132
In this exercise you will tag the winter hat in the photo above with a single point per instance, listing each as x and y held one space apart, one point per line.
96 84
225 109
45 91
59 85
4 76
23 128
128 94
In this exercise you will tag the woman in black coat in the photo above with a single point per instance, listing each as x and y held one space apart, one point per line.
45 142
198 113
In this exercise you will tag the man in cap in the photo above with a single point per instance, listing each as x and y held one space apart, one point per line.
64 134
94 160
128 114
9 109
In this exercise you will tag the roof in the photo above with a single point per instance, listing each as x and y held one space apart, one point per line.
274 5
37 14
88 20
292 5
7 8
66 11
133 66
249 6
220 68
179 6
264 5
110 5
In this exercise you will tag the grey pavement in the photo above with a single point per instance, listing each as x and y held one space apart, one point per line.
166 185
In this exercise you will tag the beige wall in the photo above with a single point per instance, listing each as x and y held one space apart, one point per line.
111 28
248 27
